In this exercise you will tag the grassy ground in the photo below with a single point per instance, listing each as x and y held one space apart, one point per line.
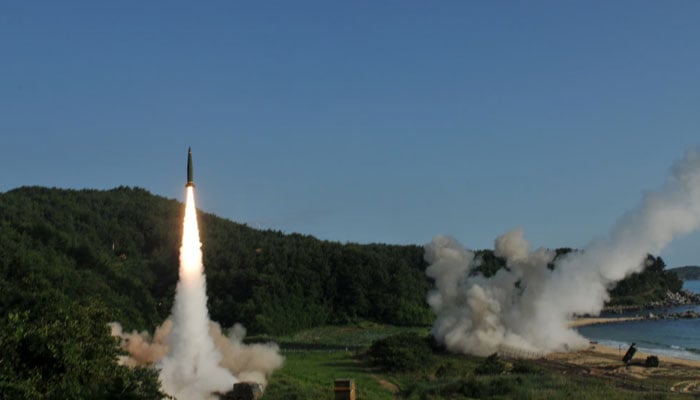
315 358
310 375
351 337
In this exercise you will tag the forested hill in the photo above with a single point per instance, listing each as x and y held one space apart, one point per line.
120 248
73 260
687 273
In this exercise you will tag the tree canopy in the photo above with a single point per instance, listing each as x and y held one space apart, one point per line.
120 247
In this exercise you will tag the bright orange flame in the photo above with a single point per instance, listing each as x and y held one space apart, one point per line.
191 250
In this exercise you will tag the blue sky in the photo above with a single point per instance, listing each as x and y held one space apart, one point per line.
362 121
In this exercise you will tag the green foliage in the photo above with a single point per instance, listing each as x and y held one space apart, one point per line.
524 367
310 375
64 351
277 283
471 387
549 385
84 246
67 256
121 247
649 285
490 366
489 264
72 260
402 352
313 362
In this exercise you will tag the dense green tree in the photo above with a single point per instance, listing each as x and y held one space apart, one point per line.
649 285
491 365
120 247
488 263
63 350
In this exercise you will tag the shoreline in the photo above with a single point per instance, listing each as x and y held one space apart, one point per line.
643 355
671 375
586 321
595 352
684 297
605 349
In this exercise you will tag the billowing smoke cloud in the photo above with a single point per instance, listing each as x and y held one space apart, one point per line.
247 362
194 358
143 350
528 306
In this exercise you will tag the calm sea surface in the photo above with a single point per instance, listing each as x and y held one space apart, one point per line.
693 286
677 338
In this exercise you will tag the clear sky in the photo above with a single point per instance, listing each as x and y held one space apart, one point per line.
360 121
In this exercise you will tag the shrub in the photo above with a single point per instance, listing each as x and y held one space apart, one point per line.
490 366
402 352
522 367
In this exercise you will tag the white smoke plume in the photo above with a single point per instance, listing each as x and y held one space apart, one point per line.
247 362
194 358
529 306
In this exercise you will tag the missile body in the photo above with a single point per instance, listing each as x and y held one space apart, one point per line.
190 179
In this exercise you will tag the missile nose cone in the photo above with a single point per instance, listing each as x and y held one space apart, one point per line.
190 178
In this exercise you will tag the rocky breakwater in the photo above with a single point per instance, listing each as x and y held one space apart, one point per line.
681 298
673 299
688 314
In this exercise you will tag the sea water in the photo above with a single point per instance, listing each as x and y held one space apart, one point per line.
693 286
676 338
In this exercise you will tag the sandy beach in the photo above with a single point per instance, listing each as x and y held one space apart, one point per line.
673 374
608 351
584 321
604 354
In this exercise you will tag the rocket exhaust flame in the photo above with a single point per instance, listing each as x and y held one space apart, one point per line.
191 249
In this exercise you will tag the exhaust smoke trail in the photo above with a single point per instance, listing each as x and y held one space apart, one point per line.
194 357
247 362
528 306
191 369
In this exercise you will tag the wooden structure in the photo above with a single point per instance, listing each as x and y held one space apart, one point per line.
344 389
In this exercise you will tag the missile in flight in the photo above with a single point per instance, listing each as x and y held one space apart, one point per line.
190 179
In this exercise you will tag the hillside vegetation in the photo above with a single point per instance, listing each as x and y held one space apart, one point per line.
687 273
73 260
120 248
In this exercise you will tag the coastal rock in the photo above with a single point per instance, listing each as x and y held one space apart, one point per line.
672 299
681 298
689 314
